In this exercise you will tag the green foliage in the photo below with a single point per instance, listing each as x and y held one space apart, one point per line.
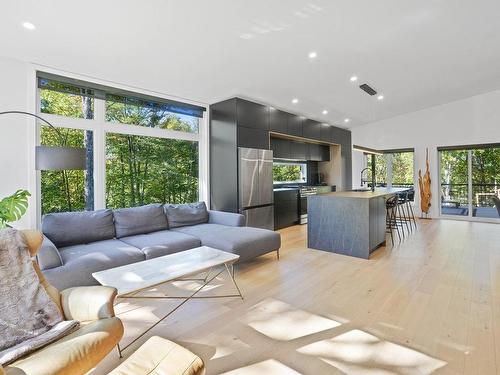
402 168
287 173
142 170
13 207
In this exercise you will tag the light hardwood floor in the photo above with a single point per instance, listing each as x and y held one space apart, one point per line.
429 305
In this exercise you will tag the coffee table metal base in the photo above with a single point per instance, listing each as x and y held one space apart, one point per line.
207 280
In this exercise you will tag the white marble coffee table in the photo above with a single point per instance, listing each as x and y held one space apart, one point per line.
132 279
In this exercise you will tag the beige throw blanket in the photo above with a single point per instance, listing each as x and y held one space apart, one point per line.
29 318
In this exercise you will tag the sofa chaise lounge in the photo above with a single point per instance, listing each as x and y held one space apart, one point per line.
77 244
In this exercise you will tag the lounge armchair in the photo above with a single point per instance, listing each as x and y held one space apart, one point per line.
77 353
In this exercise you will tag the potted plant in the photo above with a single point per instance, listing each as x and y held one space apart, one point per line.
13 207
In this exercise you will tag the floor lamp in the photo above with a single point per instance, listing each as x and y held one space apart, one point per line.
55 158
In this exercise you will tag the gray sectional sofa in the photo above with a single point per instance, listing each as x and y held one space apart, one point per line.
79 243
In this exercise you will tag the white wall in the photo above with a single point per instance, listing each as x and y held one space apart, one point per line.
16 133
474 120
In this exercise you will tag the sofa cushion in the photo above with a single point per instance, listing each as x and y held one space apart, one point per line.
139 220
79 261
247 242
180 215
73 228
161 243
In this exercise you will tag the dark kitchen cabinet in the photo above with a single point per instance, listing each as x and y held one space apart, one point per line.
278 121
294 126
324 153
319 152
339 136
298 150
286 208
325 134
314 152
252 115
281 148
311 129
253 138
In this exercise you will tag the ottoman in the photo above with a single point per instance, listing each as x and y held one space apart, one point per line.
158 356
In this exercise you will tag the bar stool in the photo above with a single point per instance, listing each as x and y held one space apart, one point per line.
391 205
411 215
402 217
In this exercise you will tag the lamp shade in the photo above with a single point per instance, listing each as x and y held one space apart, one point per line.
59 158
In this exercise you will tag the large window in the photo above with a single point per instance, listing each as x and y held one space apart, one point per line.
157 161
470 181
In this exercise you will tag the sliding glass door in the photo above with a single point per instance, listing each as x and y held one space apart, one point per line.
470 181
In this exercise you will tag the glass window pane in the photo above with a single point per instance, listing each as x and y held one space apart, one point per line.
71 190
402 169
142 170
66 104
289 173
454 182
120 109
486 182
380 170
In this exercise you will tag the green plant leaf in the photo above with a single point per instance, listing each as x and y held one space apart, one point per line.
13 207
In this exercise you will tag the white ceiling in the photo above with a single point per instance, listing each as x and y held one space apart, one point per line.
417 53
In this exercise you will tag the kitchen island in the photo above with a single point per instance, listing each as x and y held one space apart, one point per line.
348 222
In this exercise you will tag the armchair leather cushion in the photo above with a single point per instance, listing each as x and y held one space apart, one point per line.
75 354
158 356
87 303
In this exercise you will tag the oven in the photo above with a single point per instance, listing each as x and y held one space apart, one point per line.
304 192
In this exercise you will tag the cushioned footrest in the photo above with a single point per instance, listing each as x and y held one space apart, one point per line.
158 356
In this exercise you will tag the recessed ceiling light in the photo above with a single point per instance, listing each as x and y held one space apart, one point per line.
325 112
346 120
28 26
380 97
354 78
312 55
295 101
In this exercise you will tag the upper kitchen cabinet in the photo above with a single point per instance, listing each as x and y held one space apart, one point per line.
252 115
278 121
281 148
311 129
326 133
339 136
295 124
299 150
253 138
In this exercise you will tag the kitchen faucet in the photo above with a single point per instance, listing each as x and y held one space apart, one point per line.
363 181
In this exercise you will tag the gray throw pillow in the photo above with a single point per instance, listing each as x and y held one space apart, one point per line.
74 228
181 215
139 220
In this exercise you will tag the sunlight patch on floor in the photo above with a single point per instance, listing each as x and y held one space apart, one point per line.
281 321
270 366
357 352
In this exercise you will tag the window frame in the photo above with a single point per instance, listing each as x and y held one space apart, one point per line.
469 149
100 127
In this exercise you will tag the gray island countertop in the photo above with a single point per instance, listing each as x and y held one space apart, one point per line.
348 222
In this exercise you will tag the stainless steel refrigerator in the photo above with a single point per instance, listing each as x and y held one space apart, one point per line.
255 187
